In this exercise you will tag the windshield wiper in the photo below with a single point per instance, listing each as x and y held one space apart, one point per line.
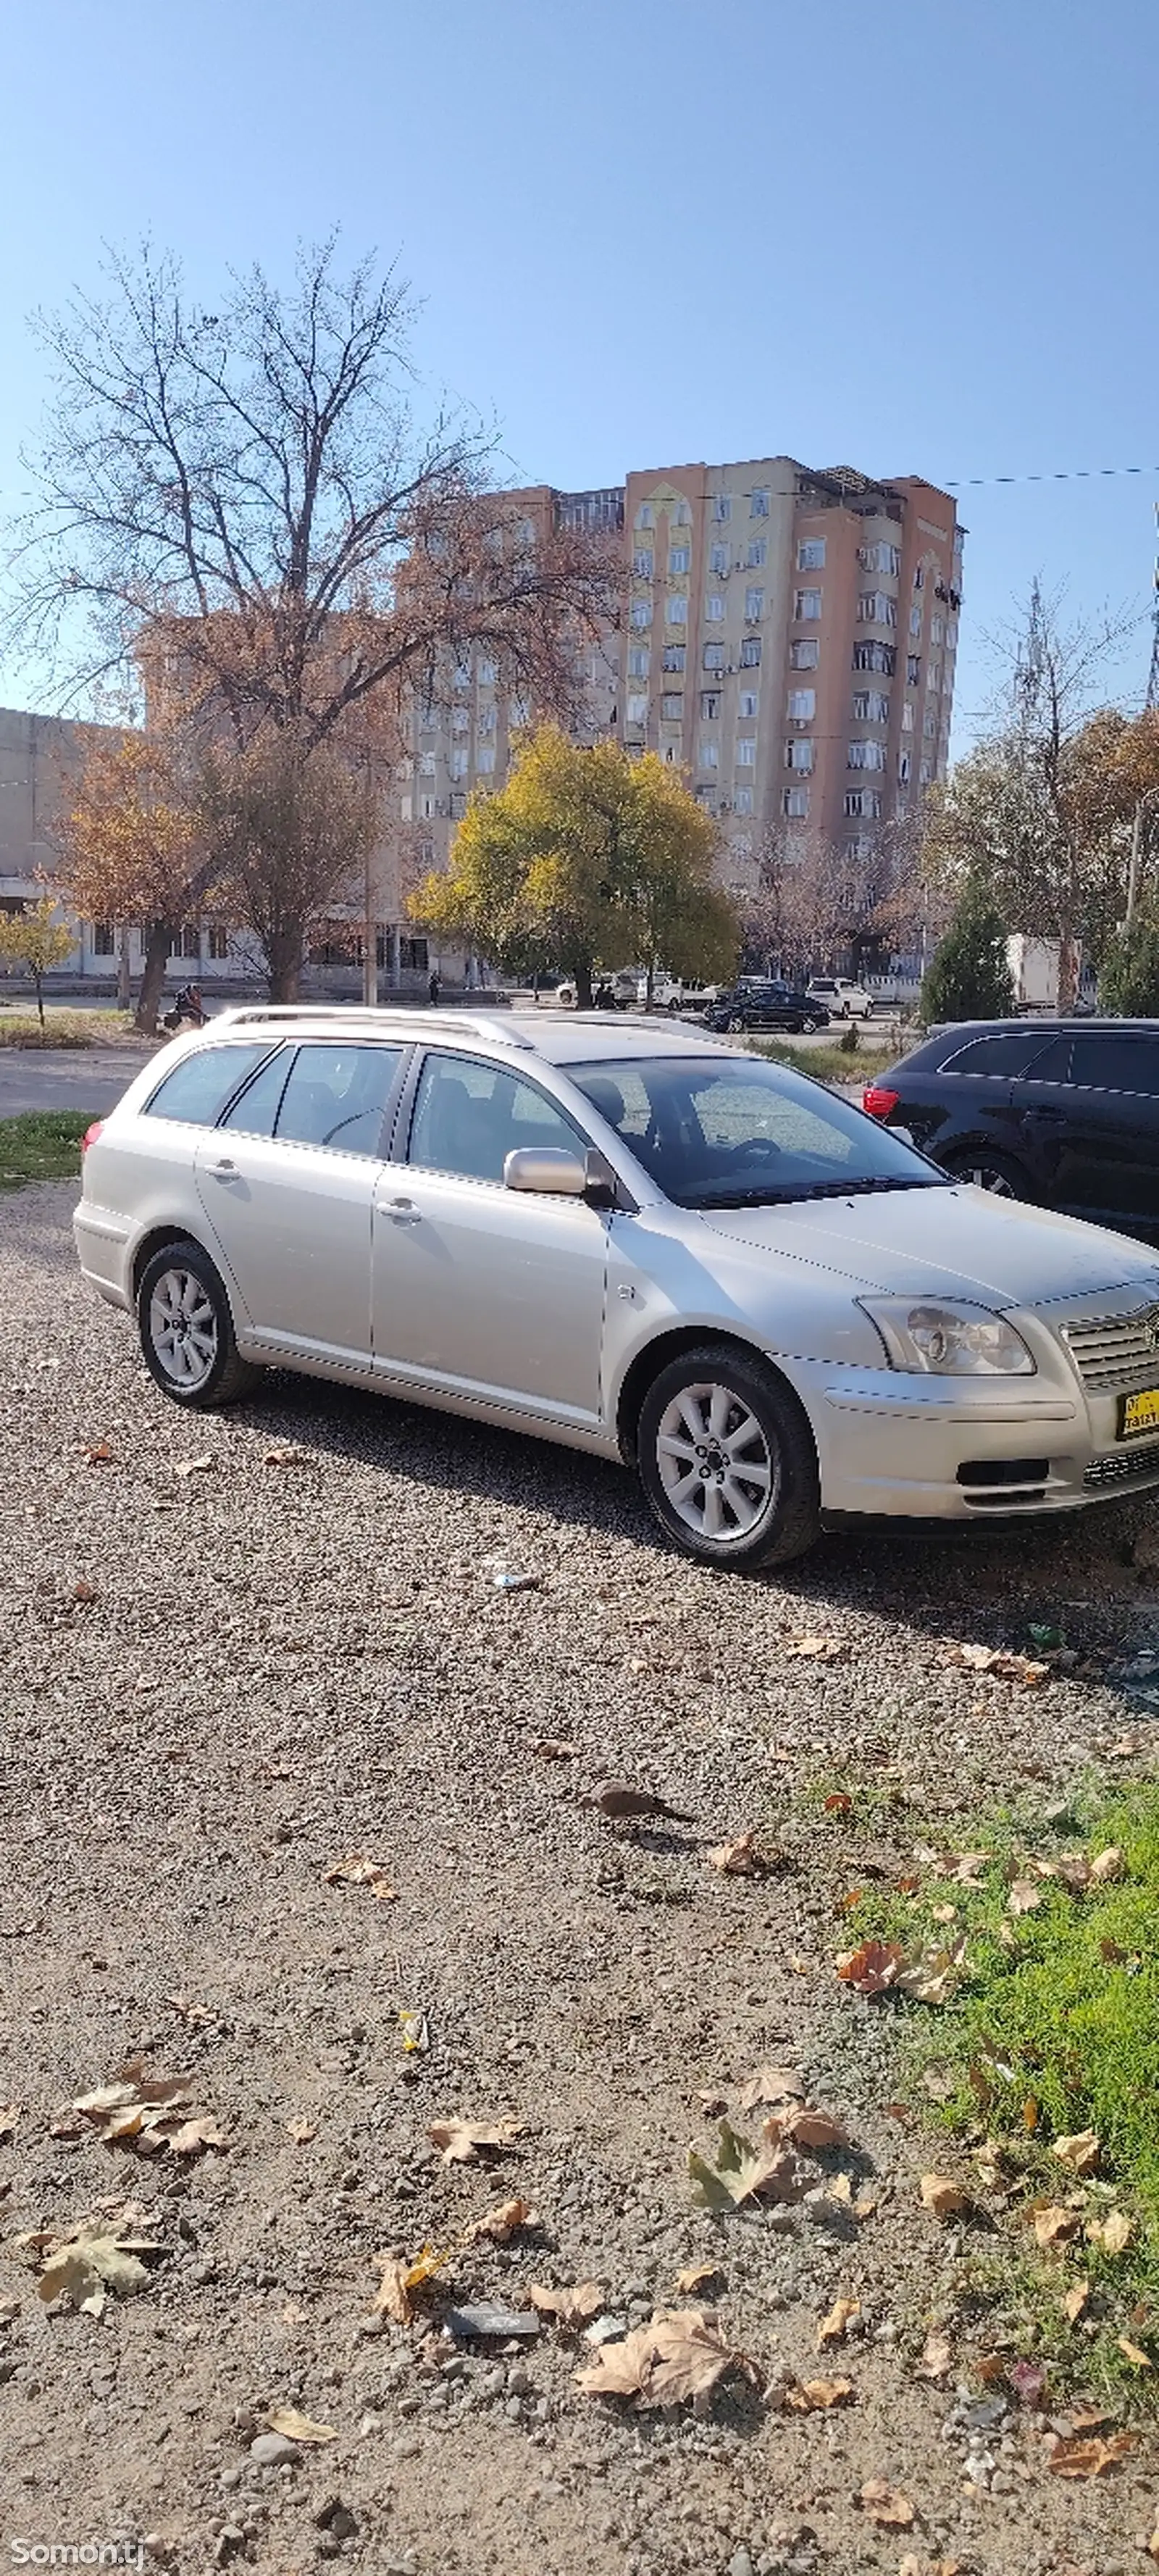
790 1192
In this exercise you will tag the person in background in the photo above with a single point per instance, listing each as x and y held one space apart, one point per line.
435 985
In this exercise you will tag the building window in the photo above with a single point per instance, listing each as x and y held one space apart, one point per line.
795 803
708 756
875 657
718 558
913 669
743 800
864 801
681 515
750 652
645 515
679 558
486 675
926 772
933 677
218 941
643 563
637 710
674 657
799 755
754 602
485 720
807 603
758 550
870 706
722 507
861 847
930 723
749 702
638 660
937 630
876 608
710 704
460 720
713 657
641 613
811 554
759 503
805 653
457 764
672 706
907 716
915 621
903 767
714 608
746 752
919 576
802 705
485 760
426 764
879 558
676 610
866 755
104 941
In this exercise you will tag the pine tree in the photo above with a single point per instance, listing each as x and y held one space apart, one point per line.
970 977
1129 981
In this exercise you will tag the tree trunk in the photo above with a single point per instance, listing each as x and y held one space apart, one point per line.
583 987
124 978
38 987
1068 972
284 964
159 939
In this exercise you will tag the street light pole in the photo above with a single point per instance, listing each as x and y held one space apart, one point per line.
1137 853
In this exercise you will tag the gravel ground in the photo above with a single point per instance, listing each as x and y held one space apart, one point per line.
288 1663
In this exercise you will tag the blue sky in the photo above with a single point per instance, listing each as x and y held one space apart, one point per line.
917 237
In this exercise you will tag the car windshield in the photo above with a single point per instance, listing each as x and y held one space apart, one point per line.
720 1132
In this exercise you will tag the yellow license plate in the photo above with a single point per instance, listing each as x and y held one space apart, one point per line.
1139 1413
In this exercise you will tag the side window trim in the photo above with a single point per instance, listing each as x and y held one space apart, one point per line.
226 1048
289 1051
392 1046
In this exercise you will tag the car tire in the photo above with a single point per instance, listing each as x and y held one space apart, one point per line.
194 1356
808 1026
746 1396
735 1025
994 1172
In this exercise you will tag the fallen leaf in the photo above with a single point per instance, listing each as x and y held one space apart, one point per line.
1080 2154
356 1870
100 1455
301 2131
886 2505
812 1643
839 1803
90 2261
283 1457
1004 1666
741 2172
547 1749
414 2032
814 2396
936 2357
1089 2459
1025 1895
1111 2234
193 2137
804 2127
1075 2301
500 2223
1107 1865
676 2357
931 1976
460 2141
741 1858
571 2308
832 2328
299 2428
697 2277
773 2084
393 2298
946 2199
194 1466
873 1968
147 2112
1028 2380
989 2367
1134 2353
84 1592
1053 2225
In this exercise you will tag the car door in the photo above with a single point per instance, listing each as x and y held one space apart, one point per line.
287 1182
1108 1141
480 1290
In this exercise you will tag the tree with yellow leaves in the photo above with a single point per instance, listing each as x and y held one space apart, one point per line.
132 847
585 856
38 939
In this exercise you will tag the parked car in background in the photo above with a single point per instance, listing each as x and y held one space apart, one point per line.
671 993
1065 1115
621 982
843 999
628 1238
751 1005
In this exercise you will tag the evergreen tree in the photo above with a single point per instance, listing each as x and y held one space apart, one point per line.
1129 981
970 977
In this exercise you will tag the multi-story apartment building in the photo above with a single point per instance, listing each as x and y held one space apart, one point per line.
787 639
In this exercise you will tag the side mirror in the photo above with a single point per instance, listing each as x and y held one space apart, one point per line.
546 1169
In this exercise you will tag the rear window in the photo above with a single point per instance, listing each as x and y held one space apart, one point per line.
1006 1052
196 1091
1116 1064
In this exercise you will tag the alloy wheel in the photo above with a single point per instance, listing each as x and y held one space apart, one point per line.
715 1463
183 1328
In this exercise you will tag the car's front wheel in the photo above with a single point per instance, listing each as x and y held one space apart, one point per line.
810 1025
727 1461
736 1024
993 1172
186 1329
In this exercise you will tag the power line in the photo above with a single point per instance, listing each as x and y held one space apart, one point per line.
1063 474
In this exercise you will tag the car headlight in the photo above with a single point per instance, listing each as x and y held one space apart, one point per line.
958 1340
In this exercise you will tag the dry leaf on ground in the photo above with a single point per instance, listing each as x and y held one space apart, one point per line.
676 2357
301 2131
194 1466
1075 2301
772 2084
393 2297
1026 1894
1005 1666
460 2141
300 2428
873 1968
283 1457
548 1749
143 2111
92 2260
570 2308
741 1858
358 1870
1080 2153
697 2277
839 1803
814 2396
931 1976
945 2198
501 2222
1111 2234
812 1643
1090 2459
1106 1865
886 2505
1134 2353
801 2126
832 2328
100 1455
1053 2225
936 2358
742 2172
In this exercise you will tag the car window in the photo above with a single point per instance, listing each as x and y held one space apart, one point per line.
1052 1064
337 1096
256 1108
1007 1052
1116 1064
469 1116
723 1134
199 1088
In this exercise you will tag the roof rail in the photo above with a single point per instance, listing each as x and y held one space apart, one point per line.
420 1019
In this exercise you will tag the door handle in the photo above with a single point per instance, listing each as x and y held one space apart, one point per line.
403 1212
225 1170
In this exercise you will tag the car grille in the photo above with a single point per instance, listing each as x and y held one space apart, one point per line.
1111 1350
1124 1466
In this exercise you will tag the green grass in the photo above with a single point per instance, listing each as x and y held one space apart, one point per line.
828 1063
1055 2031
20 1027
44 1145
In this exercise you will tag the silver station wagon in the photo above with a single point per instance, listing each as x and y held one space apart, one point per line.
631 1238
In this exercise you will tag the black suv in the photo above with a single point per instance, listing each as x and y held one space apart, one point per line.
766 1006
1060 1112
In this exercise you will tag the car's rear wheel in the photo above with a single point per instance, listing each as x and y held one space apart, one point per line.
736 1025
727 1461
186 1329
993 1172
810 1025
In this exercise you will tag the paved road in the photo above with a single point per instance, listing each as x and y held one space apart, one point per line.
81 1078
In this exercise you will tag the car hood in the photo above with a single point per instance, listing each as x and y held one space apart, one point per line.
929 1241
